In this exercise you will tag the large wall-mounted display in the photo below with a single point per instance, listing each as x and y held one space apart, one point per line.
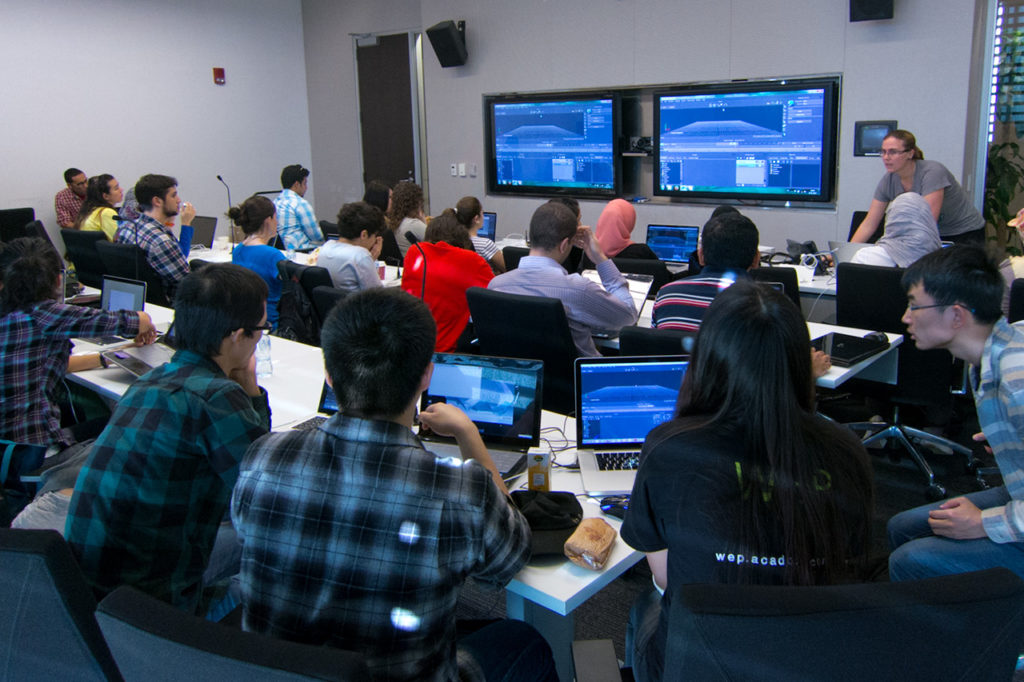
772 140
548 144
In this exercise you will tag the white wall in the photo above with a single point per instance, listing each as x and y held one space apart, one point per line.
913 68
126 87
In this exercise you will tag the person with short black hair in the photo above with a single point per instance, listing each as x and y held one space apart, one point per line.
439 270
589 306
68 202
296 222
257 218
953 302
727 249
36 329
159 202
355 536
351 258
149 500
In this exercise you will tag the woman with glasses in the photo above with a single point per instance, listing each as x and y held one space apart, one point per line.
907 171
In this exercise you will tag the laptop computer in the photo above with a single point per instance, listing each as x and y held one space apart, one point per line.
119 294
618 401
843 252
203 230
326 409
673 243
502 396
490 226
846 350
140 359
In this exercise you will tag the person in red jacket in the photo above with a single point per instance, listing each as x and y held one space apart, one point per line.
439 270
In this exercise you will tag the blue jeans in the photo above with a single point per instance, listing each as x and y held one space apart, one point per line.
917 553
511 651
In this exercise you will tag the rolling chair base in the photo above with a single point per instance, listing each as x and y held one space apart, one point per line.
904 435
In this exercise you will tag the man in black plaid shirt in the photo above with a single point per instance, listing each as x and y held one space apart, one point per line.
355 536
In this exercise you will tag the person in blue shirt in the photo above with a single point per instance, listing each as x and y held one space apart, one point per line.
299 228
257 217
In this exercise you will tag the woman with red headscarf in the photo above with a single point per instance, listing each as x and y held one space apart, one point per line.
614 231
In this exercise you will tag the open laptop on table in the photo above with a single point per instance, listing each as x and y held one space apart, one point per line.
326 409
490 226
204 229
673 243
502 396
119 294
618 401
846 350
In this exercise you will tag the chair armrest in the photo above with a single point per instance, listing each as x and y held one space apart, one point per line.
595 661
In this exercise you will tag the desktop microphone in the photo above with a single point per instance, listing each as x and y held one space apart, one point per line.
231 228
414 241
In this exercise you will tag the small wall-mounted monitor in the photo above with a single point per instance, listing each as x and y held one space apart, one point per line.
758 141
868 136
547 144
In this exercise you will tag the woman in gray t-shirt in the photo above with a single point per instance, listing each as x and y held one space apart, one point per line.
907 171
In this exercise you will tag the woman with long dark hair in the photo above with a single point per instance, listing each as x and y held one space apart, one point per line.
405 214
747 483
470 214
102 195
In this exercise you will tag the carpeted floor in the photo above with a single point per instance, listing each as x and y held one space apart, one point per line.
899 485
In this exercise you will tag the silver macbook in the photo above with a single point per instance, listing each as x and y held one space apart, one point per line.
140 359
618 401
673 243
843 252
204 228
502 396
119 294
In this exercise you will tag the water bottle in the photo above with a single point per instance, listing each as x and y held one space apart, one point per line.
264 364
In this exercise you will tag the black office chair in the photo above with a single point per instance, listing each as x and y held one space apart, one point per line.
884 632
513 254
648 341
857 218
152 640
13 222
297 319
325 298
784 276
49 630
646 266
532 327
81 251
390 253
871 297
329 229
129 262
1016 312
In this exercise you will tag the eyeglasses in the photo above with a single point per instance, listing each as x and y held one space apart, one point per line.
911 307
893 152
267 327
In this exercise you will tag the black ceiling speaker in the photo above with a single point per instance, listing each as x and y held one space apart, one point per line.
870 10
449 41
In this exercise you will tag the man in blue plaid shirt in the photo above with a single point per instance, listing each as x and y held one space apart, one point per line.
149 501
954 297
355 536
296 224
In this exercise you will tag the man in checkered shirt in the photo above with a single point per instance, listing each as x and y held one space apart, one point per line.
158 198
69 200
355 536
296 223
